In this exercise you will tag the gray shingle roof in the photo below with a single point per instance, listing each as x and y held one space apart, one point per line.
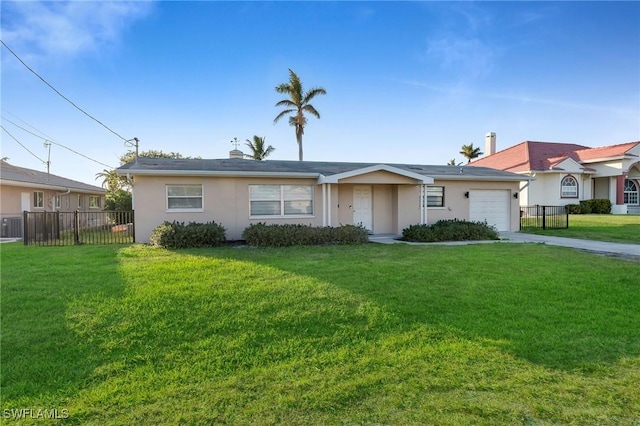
9 172
238 166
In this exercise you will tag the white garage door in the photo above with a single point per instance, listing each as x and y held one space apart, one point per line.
491 205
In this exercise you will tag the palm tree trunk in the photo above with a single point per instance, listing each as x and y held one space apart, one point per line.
299 139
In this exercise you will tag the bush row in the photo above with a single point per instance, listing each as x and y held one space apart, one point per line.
450 230
262 235
595 206
175 235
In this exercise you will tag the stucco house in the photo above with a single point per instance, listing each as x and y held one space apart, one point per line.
566 173
385 198
30 190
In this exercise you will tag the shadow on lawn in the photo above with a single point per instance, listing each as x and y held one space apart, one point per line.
551 306
43 358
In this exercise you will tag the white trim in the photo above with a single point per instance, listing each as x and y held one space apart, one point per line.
380 167
134 172
297 216
329 204
49 187
324 204
184 211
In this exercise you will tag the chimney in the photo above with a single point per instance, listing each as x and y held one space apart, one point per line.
236 153
489 144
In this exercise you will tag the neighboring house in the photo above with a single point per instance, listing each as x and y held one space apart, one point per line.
567 173
385 198
35 191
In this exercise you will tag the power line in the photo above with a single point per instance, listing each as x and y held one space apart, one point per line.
61 95
49 141
19 143
24 122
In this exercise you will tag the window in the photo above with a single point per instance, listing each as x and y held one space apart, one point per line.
57 201
281 200
630 192
184 197
38 199
569 187
79 201
435 196
94 202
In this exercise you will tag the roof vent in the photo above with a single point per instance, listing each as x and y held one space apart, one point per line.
236 153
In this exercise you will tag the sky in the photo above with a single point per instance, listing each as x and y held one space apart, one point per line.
406 82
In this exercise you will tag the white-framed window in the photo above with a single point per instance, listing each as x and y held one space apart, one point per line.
630 192
57 201
569 187
94 201
80 197
435 196
184 197
281 200
38 199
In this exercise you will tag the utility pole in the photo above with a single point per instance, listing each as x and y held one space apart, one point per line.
47 144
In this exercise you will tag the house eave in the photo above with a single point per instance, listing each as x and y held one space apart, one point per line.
292 175
50 187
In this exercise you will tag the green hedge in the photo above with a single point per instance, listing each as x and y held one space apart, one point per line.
450 230
262 235
595 206
174 235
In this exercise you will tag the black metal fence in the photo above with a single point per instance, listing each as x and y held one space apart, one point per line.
544 217
68 228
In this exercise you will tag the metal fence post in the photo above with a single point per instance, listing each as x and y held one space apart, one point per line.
76 226
544 217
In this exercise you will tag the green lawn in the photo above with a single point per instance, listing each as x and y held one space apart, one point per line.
347 335
600 227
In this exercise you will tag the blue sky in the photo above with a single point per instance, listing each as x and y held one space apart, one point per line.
407 82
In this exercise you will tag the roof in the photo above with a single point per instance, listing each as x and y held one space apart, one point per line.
14 175
541 156
308 169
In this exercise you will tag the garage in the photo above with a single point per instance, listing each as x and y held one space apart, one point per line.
492 206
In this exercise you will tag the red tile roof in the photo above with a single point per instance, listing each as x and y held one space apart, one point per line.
540 156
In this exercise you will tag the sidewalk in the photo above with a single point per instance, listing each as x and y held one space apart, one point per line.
627 251
631 251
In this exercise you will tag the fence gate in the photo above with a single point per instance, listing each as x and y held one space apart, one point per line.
544 217
67 228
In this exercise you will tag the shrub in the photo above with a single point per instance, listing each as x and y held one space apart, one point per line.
596 206
263 235
450 230
574 208
173 235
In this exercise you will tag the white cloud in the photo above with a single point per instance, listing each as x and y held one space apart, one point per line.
468 57
46 29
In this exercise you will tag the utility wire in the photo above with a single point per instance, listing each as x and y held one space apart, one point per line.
23 122
19 143
49 141
63 96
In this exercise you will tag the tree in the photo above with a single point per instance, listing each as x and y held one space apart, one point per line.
469 152
111 180
258 149
453 162
152 153
297 104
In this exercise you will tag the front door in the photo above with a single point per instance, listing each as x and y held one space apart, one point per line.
26 201
362 211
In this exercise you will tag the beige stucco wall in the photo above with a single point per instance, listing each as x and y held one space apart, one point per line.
546 189
11 200
226 201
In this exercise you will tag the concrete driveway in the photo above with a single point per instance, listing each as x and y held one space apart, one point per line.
625 251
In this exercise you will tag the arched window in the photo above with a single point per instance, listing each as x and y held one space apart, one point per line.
630 192
569 187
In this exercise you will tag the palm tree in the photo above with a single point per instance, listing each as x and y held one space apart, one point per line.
297 105
110 180
469 152
258 150
453 162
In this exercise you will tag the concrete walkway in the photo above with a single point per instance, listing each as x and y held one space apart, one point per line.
627 251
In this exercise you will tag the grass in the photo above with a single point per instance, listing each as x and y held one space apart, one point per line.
599 227
372 334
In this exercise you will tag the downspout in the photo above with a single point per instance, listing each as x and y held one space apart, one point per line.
59 194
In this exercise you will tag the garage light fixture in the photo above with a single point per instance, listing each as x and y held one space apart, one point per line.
466 194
